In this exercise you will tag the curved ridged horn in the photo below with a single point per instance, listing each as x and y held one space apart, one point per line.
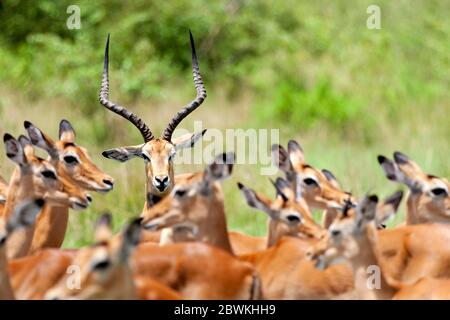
201 95
104 100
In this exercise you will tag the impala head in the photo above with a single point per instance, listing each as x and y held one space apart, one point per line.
193 199
158 153
288 215
39 177
104 269
69 158
351 226
24 215
432 191
319 188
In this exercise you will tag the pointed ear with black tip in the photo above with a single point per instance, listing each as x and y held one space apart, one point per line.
388 208
103 225
220 168
123 154
389 167
14 150
296 154
284 189
66 132
280 159
131 238
41 140
366 209
24 214
28 149
188 140
331 178
257 201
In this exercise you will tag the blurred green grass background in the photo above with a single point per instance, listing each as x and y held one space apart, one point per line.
310 68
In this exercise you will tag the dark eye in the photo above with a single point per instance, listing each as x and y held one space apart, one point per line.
70 159
439 192
102 265
49 174
144 156
310 182
293 218
180 193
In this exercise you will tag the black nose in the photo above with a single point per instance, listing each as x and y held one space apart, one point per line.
108 182
162 180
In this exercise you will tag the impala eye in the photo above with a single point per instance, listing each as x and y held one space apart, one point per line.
310 182
439 192
293 218
180 193
101 265
71 160
145 157
49 174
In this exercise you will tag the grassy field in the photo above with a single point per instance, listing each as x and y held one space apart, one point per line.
310 69
354 163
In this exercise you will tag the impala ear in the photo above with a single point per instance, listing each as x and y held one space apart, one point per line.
389 168
66 132
221 167
331 178
256 201
130 239
284 189
123 154
296 154
40 139
388 208
366 209
187 140
280 158
103 232
14 150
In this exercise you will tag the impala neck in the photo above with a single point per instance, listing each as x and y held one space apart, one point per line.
6 291
213 226
328 217
277 230
20 187
412 216
50 229
370 282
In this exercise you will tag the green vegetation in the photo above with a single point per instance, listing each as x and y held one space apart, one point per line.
310 68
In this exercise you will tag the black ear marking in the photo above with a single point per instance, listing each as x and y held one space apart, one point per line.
279 190
328 174
104 220
65 126
395 199
400 158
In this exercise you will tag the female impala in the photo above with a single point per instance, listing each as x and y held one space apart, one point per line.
34 178
73 163
23 216
319 188
105 272
405 254
158 153
429 199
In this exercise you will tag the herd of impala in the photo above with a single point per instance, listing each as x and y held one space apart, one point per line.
180 247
